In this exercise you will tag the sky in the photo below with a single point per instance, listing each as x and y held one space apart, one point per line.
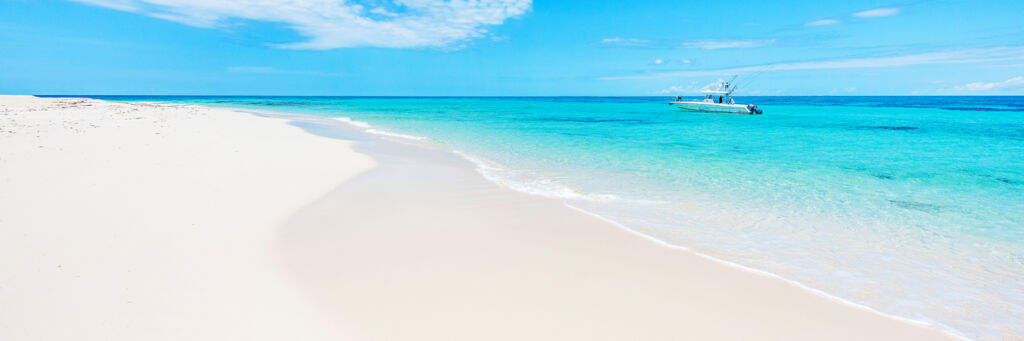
509 47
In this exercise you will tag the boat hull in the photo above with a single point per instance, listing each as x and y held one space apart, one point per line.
714 107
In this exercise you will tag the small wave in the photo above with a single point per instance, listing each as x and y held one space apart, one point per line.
529 182
369 129
517 180
887 127
401 136
352 122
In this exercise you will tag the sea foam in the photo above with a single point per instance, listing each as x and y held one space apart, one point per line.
518 180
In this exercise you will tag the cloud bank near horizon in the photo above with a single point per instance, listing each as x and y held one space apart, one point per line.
1009 84
963 56
333 24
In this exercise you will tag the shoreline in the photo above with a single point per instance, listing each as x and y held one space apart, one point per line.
476 163
404 161
470 162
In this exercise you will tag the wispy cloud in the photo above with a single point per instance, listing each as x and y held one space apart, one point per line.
335 24
964 56
679 89
877 12
864 13
120 5
273 70
675 89
663 63
692 88
1012 83
625 42
823 22
251 69
706 44
726 44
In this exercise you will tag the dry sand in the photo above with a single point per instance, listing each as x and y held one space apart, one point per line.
140 222
133 221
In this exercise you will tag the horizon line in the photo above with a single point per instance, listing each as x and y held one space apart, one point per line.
492 96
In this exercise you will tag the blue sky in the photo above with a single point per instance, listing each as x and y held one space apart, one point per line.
509 47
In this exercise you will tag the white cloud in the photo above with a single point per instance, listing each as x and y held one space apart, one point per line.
678 89
670 62
964 56
1012 83
877 12
692 88
625 42
675 89
120 5
707 44
726 44
251 69
823 22
257 70
334 23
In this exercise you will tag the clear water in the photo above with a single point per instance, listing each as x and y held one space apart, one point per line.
913 206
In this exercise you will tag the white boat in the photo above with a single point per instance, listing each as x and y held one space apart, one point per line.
719 100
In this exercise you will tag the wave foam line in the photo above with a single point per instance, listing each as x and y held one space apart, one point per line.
349 121
527 182
366 127
942 327
516 180
401 136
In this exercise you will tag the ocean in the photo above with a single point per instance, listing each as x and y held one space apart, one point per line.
911 206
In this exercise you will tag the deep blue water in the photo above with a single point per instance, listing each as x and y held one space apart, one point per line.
913 206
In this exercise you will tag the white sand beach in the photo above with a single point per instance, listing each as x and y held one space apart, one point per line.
135 221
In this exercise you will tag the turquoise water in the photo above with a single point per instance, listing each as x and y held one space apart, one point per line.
913 206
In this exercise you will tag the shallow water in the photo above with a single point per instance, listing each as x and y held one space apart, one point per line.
913 206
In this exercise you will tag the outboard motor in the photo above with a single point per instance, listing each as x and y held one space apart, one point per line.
754 109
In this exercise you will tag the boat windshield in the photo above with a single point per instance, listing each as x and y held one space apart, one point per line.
712 98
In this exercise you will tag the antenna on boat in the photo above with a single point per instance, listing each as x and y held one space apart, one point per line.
729 84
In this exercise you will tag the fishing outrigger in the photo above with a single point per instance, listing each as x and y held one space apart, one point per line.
718 100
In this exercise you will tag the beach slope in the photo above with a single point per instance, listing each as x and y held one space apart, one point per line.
139 221
422 247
